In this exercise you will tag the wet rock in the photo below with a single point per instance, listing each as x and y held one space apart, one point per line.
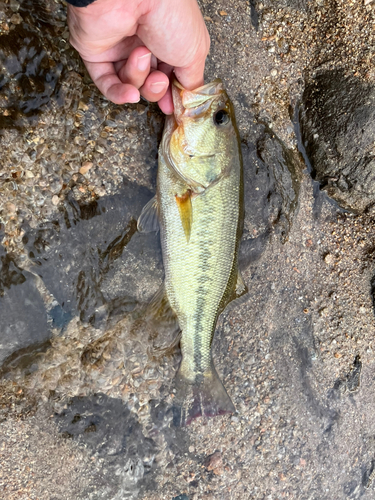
22 311
110 431
338 131
25 60
92 259
214 463
272 175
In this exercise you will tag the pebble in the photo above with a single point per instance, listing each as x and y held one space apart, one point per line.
55 200
16 19
85 167
14 5
328 259
83 106
214 463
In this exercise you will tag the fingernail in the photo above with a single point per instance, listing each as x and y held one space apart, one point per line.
158 87
144 62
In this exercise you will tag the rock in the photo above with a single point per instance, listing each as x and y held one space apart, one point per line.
108 429
214 463
272 175
16 19
338 129
85 167
92 259
40 76
329 259
23 315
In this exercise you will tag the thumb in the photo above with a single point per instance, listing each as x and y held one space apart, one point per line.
192 75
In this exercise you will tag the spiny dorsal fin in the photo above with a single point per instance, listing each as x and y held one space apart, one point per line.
148 221
186 212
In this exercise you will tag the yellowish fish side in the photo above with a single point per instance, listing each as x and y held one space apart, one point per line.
199 200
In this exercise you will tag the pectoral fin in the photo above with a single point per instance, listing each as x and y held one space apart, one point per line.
186 212
148 221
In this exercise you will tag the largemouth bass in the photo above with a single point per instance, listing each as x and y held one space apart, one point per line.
198 207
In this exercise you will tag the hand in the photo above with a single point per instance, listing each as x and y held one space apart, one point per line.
131 47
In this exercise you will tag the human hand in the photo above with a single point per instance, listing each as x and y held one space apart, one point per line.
131 47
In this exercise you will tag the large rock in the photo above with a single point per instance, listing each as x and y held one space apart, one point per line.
272 176
338 131
93 260
23 316
110 431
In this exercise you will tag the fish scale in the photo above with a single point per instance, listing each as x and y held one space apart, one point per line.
197 272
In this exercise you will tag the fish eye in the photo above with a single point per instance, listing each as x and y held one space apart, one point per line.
221 117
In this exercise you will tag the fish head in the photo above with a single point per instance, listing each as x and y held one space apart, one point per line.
201 136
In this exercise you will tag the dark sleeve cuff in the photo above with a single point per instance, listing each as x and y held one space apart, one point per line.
80 3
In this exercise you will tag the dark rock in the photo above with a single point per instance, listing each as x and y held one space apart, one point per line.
272 175
22 311
24 59
109 430
92 259
338 129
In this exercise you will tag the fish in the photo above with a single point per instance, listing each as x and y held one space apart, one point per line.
198 208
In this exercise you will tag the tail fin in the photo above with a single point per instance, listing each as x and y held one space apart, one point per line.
205 396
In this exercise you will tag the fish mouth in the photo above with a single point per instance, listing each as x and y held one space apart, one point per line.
189 105
195 103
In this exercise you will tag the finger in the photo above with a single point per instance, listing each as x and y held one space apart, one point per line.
166 102
137 67
154 64
192 75
121 50
183 43
155 86
110 85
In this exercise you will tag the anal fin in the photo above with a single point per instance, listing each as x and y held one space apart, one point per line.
163 323
238 295
241 288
